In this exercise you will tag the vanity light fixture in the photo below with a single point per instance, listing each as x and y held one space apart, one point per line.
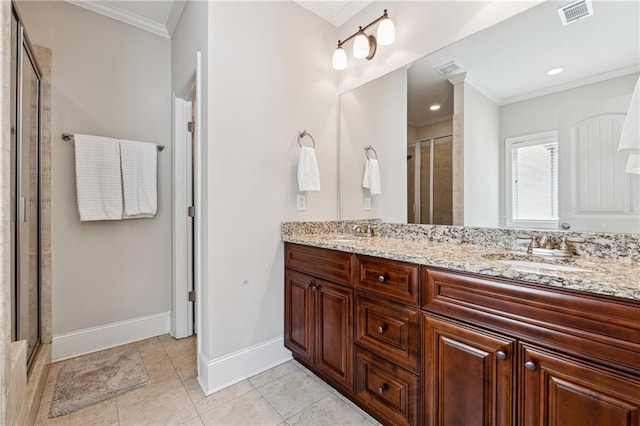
434 107
365 45
554 71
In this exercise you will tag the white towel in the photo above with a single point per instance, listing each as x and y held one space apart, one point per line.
308 173
98 181
371 178
139 178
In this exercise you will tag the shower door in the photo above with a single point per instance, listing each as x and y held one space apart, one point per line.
25 191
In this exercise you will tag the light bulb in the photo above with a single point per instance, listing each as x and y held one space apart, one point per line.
339 59
386 32
361 46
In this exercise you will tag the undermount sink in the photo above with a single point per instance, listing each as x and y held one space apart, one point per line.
527 263
345 239
529 266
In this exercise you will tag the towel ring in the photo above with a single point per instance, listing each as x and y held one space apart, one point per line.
367 150
304 133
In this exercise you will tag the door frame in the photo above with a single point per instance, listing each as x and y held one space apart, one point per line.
182 316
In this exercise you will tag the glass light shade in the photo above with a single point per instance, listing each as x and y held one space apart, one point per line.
339 59
386 32
361 46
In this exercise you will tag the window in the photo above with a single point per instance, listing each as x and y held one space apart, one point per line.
532 180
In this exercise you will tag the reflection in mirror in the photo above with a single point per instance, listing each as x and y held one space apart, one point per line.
483 158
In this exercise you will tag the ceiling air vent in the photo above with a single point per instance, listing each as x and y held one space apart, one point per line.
575 11
448 69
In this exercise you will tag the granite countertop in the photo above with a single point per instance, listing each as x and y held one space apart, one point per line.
602 276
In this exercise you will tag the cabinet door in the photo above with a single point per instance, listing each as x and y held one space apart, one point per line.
334 333
557 390
469 375
299 315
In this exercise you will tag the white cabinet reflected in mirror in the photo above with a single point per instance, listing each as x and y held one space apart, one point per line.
484 157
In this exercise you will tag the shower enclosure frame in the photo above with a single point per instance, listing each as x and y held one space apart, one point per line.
417 146
19 203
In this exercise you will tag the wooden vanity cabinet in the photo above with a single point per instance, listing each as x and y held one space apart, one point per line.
319 318
388 339
503 353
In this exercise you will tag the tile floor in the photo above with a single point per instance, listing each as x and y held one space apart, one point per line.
285 395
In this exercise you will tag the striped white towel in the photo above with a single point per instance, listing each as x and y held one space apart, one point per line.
139 178
98 181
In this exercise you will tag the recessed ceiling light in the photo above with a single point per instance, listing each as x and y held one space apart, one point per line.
434 107
554 71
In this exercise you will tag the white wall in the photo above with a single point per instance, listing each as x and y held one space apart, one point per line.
375 114
481 164
540 114
422 27
270 77
111 79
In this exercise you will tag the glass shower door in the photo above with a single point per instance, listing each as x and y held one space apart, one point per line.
26 194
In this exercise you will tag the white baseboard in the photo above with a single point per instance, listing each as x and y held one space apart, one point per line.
106 336
222 372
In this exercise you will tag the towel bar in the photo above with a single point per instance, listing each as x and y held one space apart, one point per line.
68 137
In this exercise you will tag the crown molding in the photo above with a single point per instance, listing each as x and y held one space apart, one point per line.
122 15
327 13
174 16
483 90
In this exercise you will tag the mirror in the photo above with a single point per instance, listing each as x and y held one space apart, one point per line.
512 144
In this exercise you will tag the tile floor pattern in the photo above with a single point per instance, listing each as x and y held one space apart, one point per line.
288 394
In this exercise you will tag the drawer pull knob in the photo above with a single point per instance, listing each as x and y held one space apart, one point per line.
530 365
382 278
501 355
381 328
381 389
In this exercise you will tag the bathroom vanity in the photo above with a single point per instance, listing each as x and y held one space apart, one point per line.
442 333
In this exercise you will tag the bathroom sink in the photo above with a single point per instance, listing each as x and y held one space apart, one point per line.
527 263
529 266
344 239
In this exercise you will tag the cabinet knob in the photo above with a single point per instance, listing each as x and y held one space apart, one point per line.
381 328
382 278
530 365
381 389
501 355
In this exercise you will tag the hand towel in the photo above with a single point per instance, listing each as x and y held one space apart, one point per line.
98 181
633 164
139 178
371 179
308 173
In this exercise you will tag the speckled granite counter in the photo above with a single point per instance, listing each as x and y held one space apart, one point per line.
603 276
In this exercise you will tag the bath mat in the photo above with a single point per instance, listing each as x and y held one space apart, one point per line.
94 378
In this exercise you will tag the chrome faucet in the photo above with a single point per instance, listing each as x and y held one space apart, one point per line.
361 231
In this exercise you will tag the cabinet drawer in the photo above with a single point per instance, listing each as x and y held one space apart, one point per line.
332 265
389 392
595 327
390 330
390 278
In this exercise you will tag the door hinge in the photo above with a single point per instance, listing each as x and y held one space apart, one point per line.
191 126
191 211
191 296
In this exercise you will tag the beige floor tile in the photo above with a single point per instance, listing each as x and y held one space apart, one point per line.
329 411
205 403
157 385
247 410
157 363
193 422
293 392
103 413
148 344
272 374
176 348
169 408
186 366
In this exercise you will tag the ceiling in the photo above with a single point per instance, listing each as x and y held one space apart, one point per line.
161 16
508 62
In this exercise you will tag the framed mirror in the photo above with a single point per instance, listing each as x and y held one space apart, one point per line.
517 125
